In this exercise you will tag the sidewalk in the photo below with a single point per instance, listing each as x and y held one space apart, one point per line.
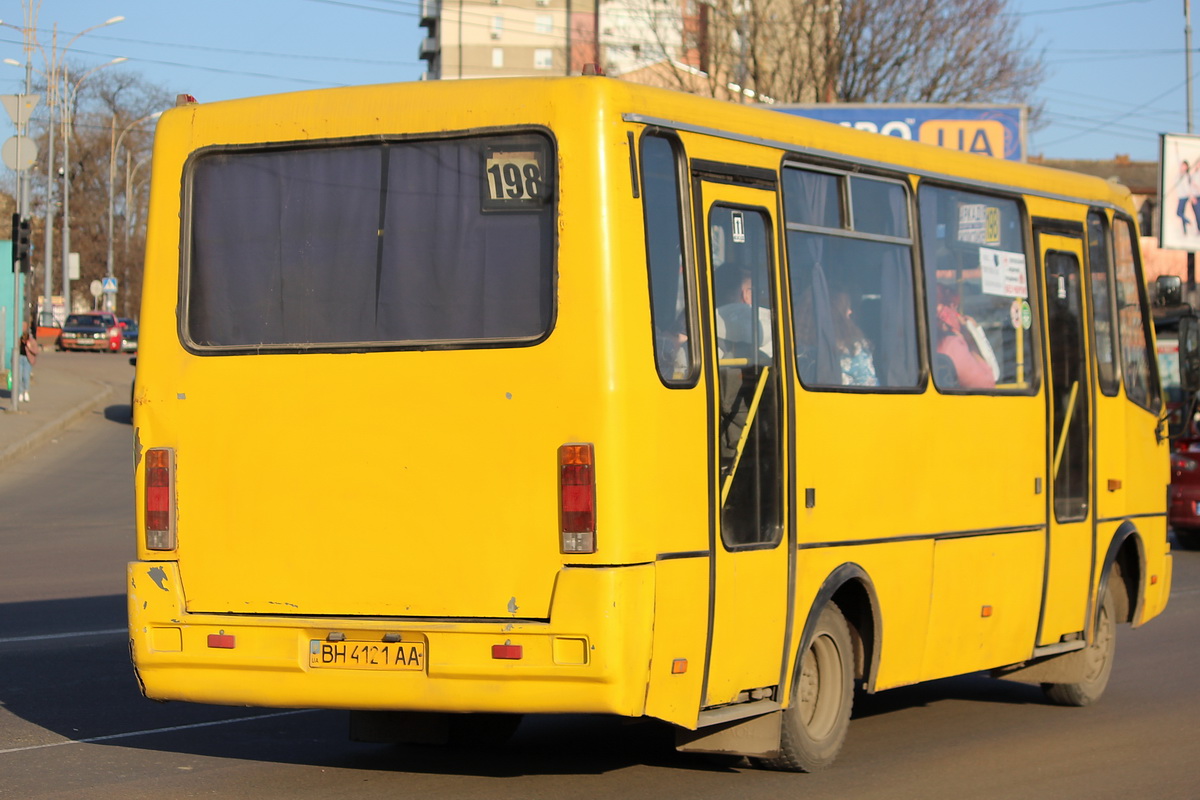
59 395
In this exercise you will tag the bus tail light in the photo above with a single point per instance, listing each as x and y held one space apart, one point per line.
577 498
160 498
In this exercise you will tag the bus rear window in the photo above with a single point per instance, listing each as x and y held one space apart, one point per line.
445 243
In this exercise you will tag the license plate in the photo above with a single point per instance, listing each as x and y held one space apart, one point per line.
367 655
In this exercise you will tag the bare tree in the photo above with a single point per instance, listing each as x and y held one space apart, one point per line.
934 51
787 47
107 104
834 50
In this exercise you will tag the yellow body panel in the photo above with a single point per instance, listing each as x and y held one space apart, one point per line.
986 592
895 568
587 659
680 638
415 492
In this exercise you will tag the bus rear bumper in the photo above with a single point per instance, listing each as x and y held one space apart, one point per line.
584 659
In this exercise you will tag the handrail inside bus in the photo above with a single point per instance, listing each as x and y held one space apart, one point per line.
1062 437
741 445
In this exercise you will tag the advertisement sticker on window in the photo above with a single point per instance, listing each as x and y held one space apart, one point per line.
978 224
1003 273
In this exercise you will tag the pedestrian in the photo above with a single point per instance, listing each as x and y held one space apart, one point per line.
29 354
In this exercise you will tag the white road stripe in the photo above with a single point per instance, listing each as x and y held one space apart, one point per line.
171 729
74 635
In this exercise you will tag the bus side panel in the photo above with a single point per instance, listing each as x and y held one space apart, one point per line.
680 639
1149 478
928 467
1156 583
1113 461
985 602
893 568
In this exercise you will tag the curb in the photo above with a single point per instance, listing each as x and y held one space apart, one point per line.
56 426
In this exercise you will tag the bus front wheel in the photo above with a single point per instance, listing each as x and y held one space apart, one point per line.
1097 657
814 725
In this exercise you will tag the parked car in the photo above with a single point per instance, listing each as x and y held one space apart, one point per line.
1183 509
95 330
129 334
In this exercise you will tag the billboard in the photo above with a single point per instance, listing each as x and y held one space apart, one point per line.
990 130
1179 191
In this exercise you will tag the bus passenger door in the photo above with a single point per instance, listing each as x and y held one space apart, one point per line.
747 531
1070 546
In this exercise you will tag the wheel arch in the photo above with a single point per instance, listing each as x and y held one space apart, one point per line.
1127 551
852 590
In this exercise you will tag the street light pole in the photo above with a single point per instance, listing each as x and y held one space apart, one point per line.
48 226
1187 53
53 74
115 142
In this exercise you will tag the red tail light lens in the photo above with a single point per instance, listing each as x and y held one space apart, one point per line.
577 498
160 498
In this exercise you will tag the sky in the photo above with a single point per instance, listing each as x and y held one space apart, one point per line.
1116 68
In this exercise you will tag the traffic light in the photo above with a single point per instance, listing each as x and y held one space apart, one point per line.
20 244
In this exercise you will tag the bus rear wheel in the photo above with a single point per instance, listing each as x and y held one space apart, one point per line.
814 725
1097 657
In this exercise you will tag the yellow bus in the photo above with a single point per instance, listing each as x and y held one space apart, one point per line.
460 401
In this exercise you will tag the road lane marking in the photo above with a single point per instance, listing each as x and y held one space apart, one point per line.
152 731
74 635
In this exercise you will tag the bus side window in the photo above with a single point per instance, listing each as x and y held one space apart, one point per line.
853 302
977 292
670 299
1099 264
1141 384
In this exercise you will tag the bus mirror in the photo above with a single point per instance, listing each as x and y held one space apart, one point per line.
1189 353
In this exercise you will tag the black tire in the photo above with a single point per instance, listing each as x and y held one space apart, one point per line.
1097 656
814 725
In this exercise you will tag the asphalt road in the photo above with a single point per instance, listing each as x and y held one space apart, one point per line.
73 725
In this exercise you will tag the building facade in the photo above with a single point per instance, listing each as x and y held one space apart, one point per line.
507 38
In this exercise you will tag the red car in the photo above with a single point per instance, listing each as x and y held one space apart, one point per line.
95 330
1184 510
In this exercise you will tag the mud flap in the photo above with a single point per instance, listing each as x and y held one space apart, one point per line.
1065 668
756 736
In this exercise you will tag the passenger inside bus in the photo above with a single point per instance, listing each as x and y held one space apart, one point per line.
671 318
968 360
737 353
737 334
850 360
854 350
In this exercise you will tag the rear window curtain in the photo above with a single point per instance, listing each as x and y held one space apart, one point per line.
364 244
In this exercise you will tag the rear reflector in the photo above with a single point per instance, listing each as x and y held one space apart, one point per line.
160 498
577 498
224 641
512 652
